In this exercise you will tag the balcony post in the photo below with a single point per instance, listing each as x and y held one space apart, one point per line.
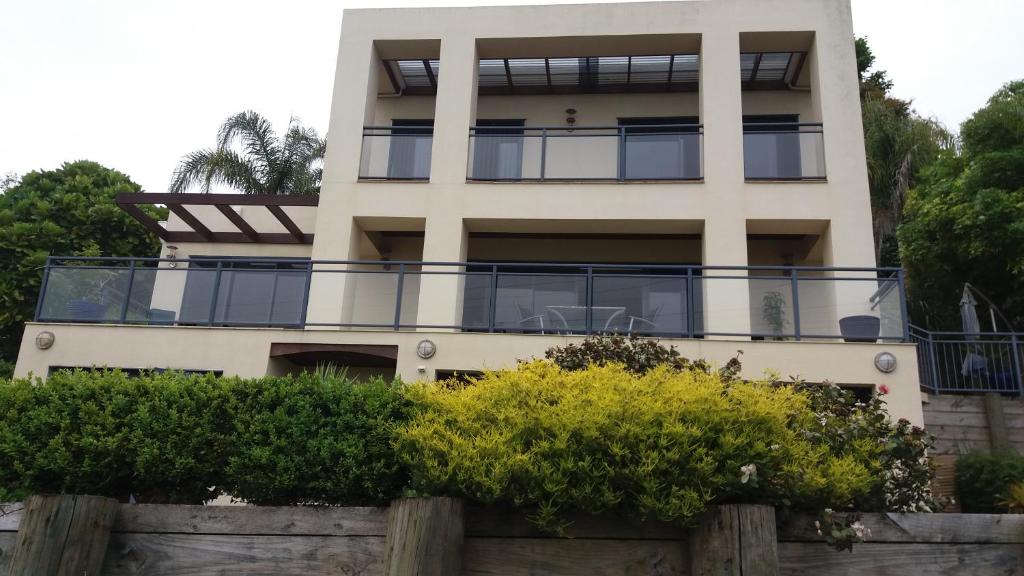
128 291
400 285
215 292
904 317
543 151
794 283
492 299
42 287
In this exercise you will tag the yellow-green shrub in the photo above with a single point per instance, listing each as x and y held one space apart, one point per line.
663 444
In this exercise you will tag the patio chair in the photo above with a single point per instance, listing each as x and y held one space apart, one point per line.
650 321
527 316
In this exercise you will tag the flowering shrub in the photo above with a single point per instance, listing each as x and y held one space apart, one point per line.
638 355
663 444
896 453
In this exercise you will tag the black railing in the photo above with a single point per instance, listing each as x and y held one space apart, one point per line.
965 362
577 153
768 302
783 151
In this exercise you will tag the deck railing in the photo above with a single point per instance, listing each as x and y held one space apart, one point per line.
783 151
761 302
965 362
576 153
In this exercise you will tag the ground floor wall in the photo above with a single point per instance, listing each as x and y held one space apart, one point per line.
247 352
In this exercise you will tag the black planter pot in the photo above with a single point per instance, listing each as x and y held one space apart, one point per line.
860 328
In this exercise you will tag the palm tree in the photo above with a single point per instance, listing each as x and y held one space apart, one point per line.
262 164
899 143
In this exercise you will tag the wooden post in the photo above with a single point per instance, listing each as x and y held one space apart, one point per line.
424 537
996 422
63 536
735 540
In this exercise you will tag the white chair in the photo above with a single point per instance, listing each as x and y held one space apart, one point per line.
650 321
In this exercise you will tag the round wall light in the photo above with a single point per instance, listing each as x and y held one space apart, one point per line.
426 349
885 362
45 340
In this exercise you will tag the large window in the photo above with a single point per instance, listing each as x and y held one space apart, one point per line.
661 148
498 150
247 292
409 155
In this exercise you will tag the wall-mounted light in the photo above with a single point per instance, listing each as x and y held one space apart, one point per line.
45 340
570 117
172 255
426 349
885 362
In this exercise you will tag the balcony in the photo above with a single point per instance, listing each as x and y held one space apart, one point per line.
778 303
400 152
783 151
580 153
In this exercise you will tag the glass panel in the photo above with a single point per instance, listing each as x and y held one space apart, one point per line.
84 294
835 306
771 307
541 303
476 301
582 154
497 156
397 153
640 304
197 295
783 155
674 155
374 291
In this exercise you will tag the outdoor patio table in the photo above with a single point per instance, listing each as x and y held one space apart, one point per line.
603 316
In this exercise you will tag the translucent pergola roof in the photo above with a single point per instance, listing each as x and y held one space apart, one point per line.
559 75
659 73
770 69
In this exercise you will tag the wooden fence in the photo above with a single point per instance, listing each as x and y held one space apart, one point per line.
208 540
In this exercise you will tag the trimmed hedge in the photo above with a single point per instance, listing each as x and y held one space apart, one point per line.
168 437
983 480
663 444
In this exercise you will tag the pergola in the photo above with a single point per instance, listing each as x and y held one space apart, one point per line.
224 218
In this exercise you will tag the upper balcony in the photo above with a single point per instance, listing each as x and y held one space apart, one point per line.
597 109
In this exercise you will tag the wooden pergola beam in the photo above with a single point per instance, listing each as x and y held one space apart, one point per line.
288 223
193 222
239 222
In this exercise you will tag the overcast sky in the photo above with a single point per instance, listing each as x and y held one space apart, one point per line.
136 84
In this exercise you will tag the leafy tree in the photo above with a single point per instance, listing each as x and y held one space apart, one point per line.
67 212
251 158
898 144
965 222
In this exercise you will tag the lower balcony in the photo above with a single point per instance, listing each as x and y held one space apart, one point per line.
672 301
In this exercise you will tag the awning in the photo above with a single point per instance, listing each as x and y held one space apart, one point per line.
242 218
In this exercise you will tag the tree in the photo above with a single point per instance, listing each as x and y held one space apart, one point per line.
65 212
252 159
965 222
898 144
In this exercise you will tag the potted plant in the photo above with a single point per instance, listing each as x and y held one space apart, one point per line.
773 311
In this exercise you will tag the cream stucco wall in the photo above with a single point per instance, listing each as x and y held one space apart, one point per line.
245 352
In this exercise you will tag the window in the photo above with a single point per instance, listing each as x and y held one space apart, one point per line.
409 156
248 292
771 147
498 150
661 148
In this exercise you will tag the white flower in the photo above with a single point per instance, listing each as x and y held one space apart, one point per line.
747 472
862 532
817 526
774 447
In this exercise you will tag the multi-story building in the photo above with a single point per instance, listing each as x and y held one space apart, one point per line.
500 180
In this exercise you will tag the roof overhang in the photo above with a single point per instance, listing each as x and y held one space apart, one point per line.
234 218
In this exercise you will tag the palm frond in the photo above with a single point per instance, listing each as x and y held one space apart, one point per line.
207 167
258 140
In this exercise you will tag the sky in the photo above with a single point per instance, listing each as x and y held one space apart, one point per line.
137 84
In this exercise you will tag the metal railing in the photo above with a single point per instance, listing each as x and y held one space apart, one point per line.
761 302
575 153
784 151
964 362
396 153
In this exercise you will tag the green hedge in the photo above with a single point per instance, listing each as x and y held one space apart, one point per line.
983 480
167 437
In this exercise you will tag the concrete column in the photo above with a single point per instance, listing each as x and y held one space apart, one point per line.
455 109
336 236
726 302
440 301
